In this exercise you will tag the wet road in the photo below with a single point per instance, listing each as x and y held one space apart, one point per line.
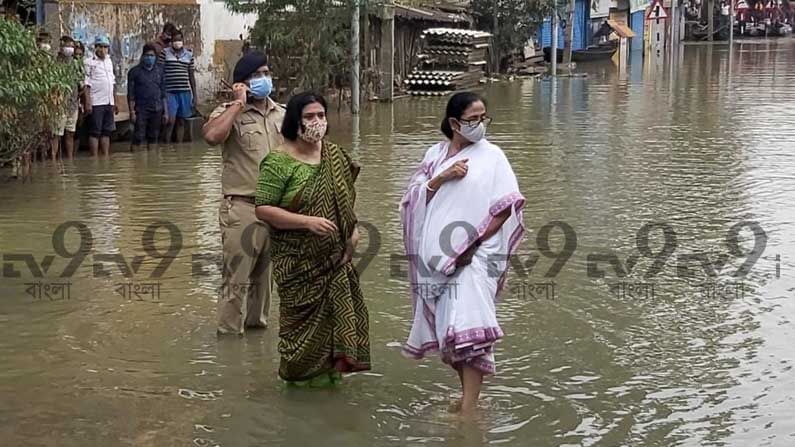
705 154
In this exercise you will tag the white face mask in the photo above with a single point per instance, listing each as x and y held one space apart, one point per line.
45 47
68 51
472 134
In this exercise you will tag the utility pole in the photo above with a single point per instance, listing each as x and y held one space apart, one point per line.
554 53
711 19
569 36
355 54
674 19
495 33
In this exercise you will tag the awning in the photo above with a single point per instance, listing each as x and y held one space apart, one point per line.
621 29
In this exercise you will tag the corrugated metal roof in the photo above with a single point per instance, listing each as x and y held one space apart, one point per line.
429 14
457 32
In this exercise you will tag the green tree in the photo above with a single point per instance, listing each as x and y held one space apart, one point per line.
33 90
516 21
308 41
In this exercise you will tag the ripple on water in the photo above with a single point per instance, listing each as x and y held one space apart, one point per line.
701 152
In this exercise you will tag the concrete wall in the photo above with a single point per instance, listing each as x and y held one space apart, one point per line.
221 31
207 25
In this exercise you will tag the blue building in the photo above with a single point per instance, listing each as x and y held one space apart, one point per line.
637 20
581 28
589 16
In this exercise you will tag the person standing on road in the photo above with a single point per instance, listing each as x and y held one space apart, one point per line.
466 182
164 38
67 124
146 96
179 67
248 128
100 101
307 193
724 19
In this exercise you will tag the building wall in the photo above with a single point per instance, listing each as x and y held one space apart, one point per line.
637 20
408 44
221 32
207 26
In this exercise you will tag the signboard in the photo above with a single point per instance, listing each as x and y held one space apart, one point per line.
638 5
656 11
600 8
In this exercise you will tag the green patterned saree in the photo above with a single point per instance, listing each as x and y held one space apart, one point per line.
323 319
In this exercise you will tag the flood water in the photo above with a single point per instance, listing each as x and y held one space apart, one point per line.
700 151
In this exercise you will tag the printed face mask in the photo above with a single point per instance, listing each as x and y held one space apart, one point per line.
313 131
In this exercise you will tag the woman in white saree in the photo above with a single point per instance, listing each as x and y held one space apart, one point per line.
462 220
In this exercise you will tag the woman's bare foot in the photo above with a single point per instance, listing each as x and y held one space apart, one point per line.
455 406
469 408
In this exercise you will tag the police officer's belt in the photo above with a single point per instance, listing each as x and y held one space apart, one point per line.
248 199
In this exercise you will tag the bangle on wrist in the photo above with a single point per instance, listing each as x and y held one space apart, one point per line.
428 187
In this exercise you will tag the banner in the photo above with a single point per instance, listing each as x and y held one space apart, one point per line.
600 8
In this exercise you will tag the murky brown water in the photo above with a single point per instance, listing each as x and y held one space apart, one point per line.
703 150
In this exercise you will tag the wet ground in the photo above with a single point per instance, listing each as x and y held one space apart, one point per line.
701 153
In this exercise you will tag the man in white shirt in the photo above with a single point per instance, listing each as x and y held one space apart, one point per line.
724 20
100 102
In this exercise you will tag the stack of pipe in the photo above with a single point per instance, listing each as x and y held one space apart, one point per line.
451 60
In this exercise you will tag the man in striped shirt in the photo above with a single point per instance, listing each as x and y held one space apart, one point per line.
178 68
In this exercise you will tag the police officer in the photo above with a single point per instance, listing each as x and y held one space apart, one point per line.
248 127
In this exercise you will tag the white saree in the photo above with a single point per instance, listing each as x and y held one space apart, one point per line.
454 308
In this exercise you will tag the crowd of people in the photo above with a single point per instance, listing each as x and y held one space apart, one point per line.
287 216
769 14
161 93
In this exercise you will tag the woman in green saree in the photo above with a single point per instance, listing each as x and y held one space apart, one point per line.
306 193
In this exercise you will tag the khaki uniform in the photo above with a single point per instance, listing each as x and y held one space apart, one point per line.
245 297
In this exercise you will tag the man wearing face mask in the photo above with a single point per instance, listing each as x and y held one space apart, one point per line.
146 96
163 41
43 41
248 127
65 128
99 93
179 67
